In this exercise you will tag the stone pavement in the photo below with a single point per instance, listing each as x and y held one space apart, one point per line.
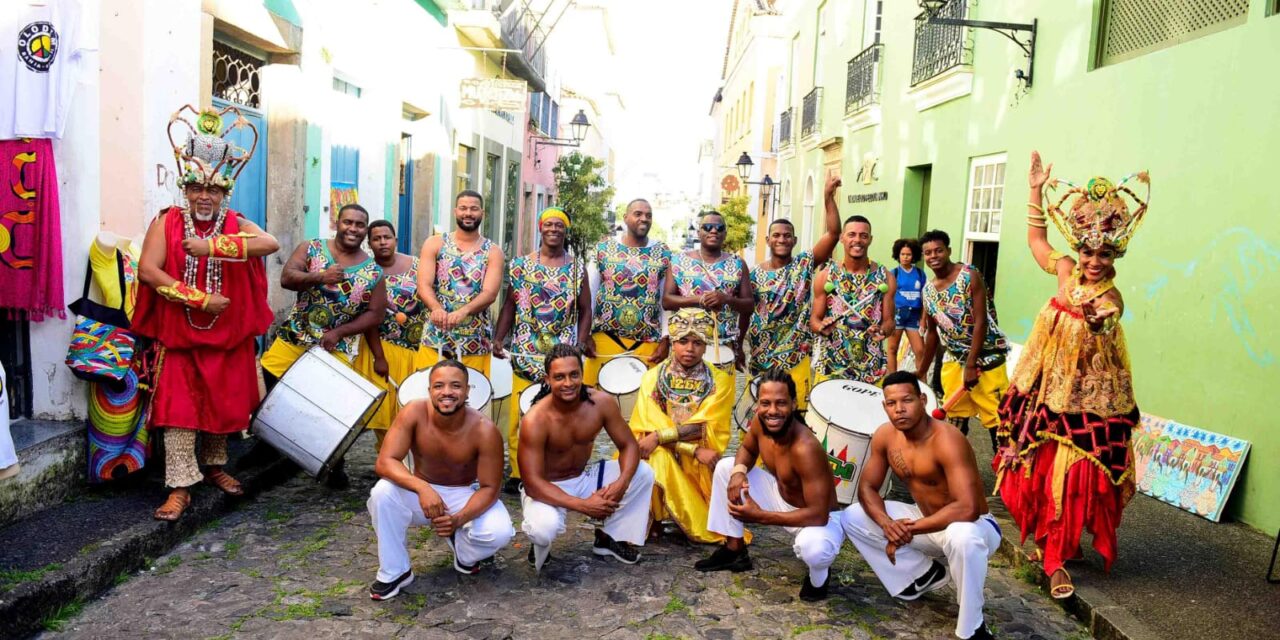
296 563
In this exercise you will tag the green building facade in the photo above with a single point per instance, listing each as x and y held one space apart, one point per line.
929 128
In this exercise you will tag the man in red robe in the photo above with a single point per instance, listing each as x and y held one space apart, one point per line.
204 302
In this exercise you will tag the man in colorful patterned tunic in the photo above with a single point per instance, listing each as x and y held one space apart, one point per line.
853 310
626 284
459 277
709 279
341 295
389 350
682 422
548 303
956 312
204 302
779 337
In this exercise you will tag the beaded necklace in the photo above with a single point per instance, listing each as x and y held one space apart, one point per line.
191 264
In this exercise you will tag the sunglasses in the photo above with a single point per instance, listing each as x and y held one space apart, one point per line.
713 227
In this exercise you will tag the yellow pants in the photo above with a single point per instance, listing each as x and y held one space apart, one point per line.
281 355
399 366
606 346
983 399
518 385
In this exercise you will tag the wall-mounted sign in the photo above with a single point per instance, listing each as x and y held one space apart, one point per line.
876 196
867 173
730 183
493 93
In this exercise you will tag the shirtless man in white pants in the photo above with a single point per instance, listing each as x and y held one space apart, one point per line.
457 462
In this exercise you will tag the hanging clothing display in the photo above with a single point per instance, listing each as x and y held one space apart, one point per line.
30 231
45 50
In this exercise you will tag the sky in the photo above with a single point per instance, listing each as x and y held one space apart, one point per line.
670 54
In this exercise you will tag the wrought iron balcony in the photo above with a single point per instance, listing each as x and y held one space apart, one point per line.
784 128
941 47
862 84
523 30
811 114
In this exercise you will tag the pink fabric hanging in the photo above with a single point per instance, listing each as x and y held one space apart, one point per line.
30 231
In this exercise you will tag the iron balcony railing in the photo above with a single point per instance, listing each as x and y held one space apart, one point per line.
862 84
522 30
784 128
941 47
811 114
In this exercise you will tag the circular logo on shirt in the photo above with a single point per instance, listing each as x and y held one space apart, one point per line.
38 46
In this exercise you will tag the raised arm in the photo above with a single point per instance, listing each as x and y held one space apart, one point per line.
826 244
1037 225
964 485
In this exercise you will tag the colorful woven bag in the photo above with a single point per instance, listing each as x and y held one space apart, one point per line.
101 348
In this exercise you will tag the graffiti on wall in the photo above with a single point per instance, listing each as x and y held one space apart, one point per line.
1235 270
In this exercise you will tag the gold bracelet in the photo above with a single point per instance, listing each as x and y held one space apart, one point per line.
1038 223
667 436
1036 207
687 448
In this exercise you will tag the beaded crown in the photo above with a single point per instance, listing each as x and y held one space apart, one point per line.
1099 214
692 321
208 156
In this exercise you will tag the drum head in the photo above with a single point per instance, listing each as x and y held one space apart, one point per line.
481 391
526 397
754 386
720 355
622 375
414 387
854 406
500 374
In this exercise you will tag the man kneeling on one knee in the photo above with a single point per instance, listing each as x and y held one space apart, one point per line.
797 491
457 462
948 535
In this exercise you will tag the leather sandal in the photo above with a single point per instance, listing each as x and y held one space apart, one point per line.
174 506
223 480
1063 590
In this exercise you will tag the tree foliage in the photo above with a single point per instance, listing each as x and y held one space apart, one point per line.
741 228
584 195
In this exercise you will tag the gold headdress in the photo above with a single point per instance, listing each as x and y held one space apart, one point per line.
692 321
1099 215
208 156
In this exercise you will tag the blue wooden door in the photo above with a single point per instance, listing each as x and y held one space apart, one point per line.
250 194
404 226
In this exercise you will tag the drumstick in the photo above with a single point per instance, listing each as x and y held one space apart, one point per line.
940 413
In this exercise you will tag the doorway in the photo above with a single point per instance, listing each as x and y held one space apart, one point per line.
915 200
983 257
404 225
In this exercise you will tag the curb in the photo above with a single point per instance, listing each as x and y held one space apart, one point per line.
87 576
1104 619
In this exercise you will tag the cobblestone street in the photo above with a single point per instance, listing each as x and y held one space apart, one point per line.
296 563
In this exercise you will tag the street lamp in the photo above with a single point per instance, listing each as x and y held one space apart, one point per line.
1009 30
744 165
577 126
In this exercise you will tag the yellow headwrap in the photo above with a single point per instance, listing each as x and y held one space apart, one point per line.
553 212
692 321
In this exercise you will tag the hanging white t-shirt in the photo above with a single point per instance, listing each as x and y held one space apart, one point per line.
8 456
44 51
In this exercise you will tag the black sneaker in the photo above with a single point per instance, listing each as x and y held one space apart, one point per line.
982 633
607 546
388 590
338 479
810 593
465 569
934 578
512 487
725 560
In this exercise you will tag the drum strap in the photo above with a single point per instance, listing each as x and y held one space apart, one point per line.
600 475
